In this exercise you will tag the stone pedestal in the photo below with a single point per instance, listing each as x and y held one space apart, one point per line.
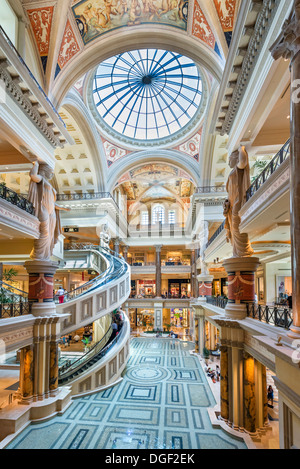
241 285
205 285
41 287
158 316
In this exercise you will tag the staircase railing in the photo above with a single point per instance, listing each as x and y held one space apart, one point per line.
91 357
117 267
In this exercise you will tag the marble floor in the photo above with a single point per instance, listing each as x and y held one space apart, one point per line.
162 403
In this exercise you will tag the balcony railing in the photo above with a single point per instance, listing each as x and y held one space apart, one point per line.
85 196
16 199
274 315
219 301
210 189
13 302
216 234
277 161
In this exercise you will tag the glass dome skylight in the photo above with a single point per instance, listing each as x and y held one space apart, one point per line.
147 94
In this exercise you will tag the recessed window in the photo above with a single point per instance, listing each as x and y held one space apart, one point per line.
147 94
158 215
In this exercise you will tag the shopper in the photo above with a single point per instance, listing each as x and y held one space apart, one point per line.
271 395
61 294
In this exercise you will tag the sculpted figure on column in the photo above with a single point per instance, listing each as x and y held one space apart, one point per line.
43 197
237 185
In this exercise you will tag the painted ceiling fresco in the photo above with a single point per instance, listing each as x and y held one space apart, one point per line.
95 17
155 181
192 146
41 22
226 11
113 152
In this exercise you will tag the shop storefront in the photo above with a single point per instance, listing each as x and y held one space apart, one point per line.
179 288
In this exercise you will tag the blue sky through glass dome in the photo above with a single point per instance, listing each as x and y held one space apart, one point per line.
147 94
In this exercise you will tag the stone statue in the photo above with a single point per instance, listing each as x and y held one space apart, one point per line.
43 197
104 236
237 185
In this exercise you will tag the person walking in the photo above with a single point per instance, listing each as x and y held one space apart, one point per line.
61 294
271 395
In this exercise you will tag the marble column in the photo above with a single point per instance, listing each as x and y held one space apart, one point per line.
26 388
125 253
249 394
241 285
288 47
207 335
224 389
194 281
158 271
196 335
53 369
265 396
117 246
158 316
212 336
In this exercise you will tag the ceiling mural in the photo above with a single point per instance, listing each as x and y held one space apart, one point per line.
226 12
156 180
69 47
113 152
192 146
202 30
96 17
41 22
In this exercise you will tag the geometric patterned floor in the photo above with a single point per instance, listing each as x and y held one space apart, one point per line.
160 404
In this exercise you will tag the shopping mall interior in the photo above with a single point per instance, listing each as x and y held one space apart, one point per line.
149 224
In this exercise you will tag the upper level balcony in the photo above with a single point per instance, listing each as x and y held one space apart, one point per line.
265 215
28 119
17 219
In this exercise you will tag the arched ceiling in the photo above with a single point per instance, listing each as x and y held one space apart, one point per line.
156 180
70 36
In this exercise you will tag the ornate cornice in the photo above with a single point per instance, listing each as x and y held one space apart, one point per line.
244 72
31 110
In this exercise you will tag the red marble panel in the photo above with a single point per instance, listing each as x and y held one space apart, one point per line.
226 12
41 21
69 46
201 28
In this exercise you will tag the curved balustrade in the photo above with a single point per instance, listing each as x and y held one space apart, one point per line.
100 295
71 370
278 159
117 268
16 199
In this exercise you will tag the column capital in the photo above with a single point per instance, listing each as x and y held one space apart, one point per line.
158 247
287 44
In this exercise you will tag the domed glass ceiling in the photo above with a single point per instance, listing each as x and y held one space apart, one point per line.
147 94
